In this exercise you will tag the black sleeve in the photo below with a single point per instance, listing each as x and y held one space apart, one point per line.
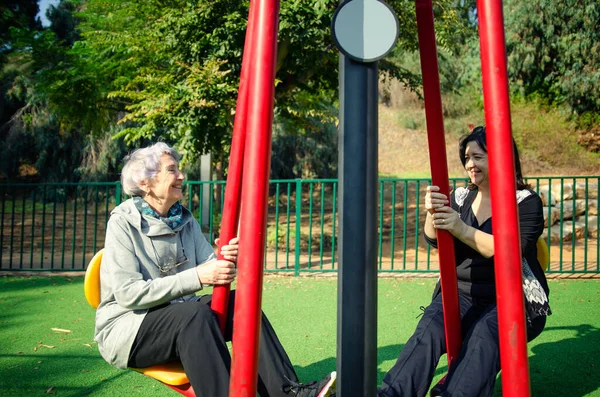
531 222
430 241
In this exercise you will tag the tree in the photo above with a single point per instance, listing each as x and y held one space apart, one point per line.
13 15
170 69
16 15
30 133
148 69
554 51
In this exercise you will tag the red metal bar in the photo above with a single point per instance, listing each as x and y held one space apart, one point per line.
231 203
439 172
187 390
257 164
507 246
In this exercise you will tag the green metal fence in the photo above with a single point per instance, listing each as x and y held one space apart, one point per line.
58 227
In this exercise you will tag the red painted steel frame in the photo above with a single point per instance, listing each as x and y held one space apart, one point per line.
231 203
257 162
439 172
507 247
187 390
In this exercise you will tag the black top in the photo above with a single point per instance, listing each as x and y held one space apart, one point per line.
475 273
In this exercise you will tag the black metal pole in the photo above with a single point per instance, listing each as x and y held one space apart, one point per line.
357 277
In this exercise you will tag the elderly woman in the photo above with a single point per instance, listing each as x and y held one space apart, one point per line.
155 261
467 215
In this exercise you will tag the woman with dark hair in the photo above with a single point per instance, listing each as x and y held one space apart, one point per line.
467 215
478 136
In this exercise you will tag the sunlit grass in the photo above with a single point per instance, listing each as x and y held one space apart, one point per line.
36 360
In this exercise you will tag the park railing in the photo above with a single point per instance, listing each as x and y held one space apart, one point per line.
58 227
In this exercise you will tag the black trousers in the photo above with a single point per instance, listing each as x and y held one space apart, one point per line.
190 332
472 374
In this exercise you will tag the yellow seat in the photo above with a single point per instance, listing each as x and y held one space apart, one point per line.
171 374
543 254
91 283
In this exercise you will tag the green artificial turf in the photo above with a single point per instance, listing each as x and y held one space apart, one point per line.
37 361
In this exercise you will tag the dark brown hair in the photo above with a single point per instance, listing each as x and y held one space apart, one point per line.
478 136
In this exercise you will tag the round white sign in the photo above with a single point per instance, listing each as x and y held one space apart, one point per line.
365 30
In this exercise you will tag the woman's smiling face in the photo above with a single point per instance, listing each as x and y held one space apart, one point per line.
166 188
476 164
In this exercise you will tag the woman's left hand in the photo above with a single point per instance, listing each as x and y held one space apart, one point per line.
230 251
446 218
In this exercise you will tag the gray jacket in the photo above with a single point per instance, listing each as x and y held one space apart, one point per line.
131 281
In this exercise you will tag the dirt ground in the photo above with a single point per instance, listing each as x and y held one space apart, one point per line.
67 241
66 236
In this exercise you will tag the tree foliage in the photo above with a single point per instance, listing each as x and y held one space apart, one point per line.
554 51
156 69
14 15
31 134
170 69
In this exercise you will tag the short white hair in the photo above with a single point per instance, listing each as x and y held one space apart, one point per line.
142 166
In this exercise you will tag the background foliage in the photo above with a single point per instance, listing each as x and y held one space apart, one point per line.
107 76
554 51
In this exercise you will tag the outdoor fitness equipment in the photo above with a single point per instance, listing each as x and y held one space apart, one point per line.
232 202
511 314
543 253
439 172
251 147
251 150
364 31
507 244
172 374
357 287
358 132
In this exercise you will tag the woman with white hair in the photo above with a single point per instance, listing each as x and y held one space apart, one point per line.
155 260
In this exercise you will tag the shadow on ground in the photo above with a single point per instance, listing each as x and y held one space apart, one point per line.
567 367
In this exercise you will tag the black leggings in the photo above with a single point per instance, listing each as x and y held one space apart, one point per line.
189 332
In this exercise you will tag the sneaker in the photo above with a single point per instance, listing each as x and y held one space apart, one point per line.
438 389
323 388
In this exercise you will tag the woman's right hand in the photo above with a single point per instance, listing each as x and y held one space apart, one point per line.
434 199
216 272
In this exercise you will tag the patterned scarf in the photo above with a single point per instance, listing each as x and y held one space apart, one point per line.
173 218
536 300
